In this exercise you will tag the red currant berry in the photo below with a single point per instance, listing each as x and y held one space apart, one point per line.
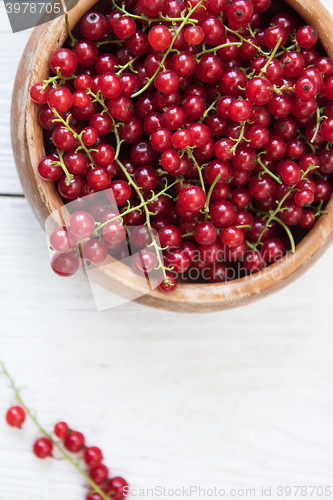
306 37
43 447
61 430
272 250
74 442
15 416
170 285
192 198
38 95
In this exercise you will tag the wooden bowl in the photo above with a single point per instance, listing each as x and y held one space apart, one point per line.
27 140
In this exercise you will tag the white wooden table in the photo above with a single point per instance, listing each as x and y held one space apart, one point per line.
237 399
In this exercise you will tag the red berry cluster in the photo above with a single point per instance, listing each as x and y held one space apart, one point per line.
74 442
199 125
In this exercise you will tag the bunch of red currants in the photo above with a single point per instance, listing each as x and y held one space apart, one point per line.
190 129
74 442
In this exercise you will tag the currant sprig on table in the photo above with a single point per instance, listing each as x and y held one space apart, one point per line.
70 445
190 131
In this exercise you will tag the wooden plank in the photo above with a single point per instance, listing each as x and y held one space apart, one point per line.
237 399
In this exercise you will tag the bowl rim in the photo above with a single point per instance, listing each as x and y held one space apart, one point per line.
27 141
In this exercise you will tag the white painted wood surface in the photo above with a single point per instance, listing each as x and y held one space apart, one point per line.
237 399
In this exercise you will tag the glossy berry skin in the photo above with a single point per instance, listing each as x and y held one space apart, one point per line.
240 110
289 171
110 85
82 224
48 170
231 236
171 285
240 12
272 250
15 416
307 37
323 190
99 473
192 198
43 447
124 27
258 90
273 34
262 187
291 214
170 236
61 430
119 192
74 442
205 233
38 95
93 25
308 220
253 261
304 197
65 60
146 178
65 264
60 99
62 240
117 485
222 213
73 190
159 37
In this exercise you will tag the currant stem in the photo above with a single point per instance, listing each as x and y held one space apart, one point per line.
191 156
144 204
212 106
266 169
237 141
69 31
165 55
210 194
317 125
269 60
128 65
76 135
215 49
259 49
55 443
61 163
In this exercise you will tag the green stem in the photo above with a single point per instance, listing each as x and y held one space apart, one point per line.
237 141
317 125
300 135
55 443
147 212
128 65
166 53
191 156
266 169
208 110
69 31
61 163
264 69
210 194
228 30
111 40
76 135
215 49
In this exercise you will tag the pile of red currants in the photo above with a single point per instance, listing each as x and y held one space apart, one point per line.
74 442
195 130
